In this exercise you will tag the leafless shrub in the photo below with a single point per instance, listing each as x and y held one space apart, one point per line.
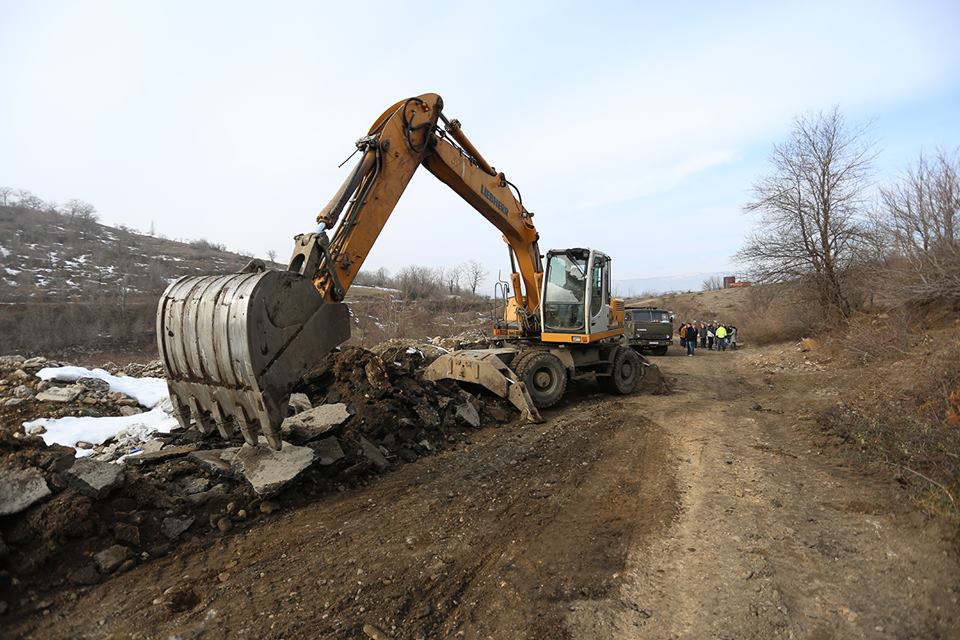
921 215
206 245
713 283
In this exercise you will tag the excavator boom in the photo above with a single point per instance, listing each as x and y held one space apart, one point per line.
234 346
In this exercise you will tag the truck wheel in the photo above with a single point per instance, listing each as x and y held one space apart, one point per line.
545 377
625 373
660 351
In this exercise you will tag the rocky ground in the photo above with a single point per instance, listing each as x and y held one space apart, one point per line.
68 521
720 510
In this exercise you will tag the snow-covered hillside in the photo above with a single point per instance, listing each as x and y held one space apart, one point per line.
52 257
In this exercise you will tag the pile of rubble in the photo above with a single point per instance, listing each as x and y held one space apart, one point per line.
72 515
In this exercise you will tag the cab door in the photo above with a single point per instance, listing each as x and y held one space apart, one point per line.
598 298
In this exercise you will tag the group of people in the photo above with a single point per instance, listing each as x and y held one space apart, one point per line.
714 333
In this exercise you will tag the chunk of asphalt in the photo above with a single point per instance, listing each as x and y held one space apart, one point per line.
217 460
373 454
268 471
173 528
112 557
21 488
468 413
328 451
93 478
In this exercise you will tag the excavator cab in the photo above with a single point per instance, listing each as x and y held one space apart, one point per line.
576 305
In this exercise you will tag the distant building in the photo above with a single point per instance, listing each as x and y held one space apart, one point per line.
730 282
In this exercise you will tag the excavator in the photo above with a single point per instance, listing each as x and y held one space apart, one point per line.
234 346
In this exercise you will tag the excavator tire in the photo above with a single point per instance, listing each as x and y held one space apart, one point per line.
545 377
625 373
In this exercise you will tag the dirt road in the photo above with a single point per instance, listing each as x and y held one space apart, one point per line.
707 513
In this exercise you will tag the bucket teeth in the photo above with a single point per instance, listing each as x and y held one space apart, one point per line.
199 418
248 429
224 426
234 346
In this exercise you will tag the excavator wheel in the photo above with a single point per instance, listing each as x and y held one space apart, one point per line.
545 377
625 373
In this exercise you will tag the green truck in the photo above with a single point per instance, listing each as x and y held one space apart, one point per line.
648 329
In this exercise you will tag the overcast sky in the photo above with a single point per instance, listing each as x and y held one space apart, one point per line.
636 127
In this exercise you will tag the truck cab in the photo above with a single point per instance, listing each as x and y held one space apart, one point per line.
648 329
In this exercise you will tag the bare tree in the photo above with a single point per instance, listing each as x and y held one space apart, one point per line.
921 214
417 282
811 207
26 200
80 210
474 274
713 283
272 255
5 193
451 278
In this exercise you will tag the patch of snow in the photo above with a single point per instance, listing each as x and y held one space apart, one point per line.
71 430
4 251
149 392
11 272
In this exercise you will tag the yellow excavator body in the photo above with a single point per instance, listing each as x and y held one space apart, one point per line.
234 346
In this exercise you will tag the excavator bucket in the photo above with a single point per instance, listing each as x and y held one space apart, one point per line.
234 346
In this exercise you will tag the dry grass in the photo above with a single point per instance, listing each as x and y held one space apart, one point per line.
902 402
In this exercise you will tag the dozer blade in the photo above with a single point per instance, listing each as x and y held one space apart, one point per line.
234 346
486 367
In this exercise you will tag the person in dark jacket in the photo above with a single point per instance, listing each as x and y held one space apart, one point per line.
691 337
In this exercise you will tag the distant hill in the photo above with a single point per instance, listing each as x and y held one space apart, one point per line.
52 257
631 287
70 285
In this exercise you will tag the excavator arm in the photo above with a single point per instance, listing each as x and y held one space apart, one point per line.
233 346
406 136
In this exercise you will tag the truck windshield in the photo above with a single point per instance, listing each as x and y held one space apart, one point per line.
566 290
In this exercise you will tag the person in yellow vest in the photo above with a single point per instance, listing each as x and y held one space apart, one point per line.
722 337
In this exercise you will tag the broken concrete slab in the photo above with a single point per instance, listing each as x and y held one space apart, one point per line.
60 394
267 470
468 413
314 422
166 453
373 454
93 478
20 489
328 451
299 402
